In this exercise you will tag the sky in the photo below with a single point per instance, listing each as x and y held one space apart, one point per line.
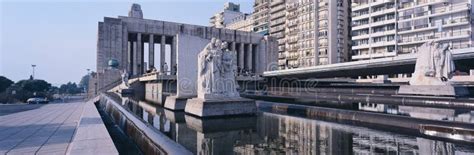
60 36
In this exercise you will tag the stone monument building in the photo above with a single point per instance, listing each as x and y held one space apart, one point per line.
143 45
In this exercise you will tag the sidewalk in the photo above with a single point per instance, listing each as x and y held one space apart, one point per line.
53 129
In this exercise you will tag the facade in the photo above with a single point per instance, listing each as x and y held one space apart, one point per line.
278 26
261 16
226 16
241 23
141 45
389 28
317 33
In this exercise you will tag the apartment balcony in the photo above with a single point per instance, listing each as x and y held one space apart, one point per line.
438 37
260 24
433 26
277 8
281 56
361 36
292 15
384 11
356 7
372 35
385 22
276 2
412 5
275 23
277 15
260 5
364 16
383 43
383 33
374 55
277 29
292 24
292 7
361 46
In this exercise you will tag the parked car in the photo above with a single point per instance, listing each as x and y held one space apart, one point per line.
37 100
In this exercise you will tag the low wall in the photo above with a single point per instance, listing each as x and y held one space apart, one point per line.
148 140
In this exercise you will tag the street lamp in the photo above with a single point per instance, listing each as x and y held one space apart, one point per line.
33 75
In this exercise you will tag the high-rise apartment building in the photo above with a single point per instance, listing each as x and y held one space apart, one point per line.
317 33
278 26
383 28
241 23
224 17
261 16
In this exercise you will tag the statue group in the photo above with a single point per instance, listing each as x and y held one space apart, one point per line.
434 65
216 71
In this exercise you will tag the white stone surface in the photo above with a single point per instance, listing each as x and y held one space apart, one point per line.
187 52
217 71
434 61
222 107
175 103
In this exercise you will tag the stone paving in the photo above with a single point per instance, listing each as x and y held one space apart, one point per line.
49 129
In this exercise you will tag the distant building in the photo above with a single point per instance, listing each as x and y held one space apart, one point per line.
387 28
224 17
308 32
261 16
278 26
242 23
317 33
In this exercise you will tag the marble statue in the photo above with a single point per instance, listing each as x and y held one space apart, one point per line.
228 72
125 78
216 73
434 65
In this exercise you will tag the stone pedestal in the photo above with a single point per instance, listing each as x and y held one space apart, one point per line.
447 90
175 103
220 107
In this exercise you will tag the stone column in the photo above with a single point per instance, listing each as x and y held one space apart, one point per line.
173 56
162 52
249 56
130 56
241 56
138 55
232 46
151 52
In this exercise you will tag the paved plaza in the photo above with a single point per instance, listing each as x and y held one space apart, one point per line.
62 128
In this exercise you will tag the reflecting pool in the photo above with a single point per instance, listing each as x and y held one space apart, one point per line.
270 132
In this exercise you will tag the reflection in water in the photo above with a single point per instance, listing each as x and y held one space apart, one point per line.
269 133
457 115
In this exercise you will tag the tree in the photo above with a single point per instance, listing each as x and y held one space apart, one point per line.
4 83
33 85
84 83
69 88
30 88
